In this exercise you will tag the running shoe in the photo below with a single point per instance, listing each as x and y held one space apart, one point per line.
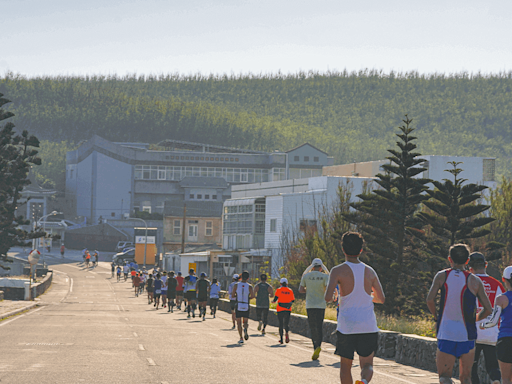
204 318
214 316
188 316
233 327
169 310
165 306
263 331
246 335
259 325
281 341
316 354
287 337
194 315
359 382
154 305
241 341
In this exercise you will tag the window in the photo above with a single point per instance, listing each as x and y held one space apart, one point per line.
207 197
161 173
209 228
296 158
306 158
279 174
146 208
489 170
191 196
214 197
260 227
273 225
176 227
199 196
113 214
316 159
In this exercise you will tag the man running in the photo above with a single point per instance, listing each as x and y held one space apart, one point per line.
118 272
263 291
179 290
214 297
190 294
126 270
157 289
202 294
232 301
150 288
87 258
164 289
486 338
243 293
172 284
63 249
142 276
284 298
136 284
133 272
313 284
456 325
96 256
357 329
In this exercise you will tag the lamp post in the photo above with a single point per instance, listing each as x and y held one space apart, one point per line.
146 239
44 229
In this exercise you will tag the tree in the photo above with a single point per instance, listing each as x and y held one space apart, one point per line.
17 154
388 219
501 209
455 214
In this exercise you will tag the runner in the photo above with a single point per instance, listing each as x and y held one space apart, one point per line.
243 293
150 288
157 289
503 311
486 338
202 294
284 297
113 269
63 249
190 294
456 325
118 271
133 273
171 291
164 289
313 284
179 290
232 301
96 256
357 329
136 284
126 270
87 258
214 297
263 291
84 254
143 277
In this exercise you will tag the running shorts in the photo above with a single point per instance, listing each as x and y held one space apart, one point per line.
455 348
363 343
190 295
213 302
179 293
240 314
171 294
232 304
504 350
202 298
164 292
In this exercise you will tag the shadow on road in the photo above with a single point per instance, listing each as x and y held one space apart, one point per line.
338 365
232 346
308 364
277 346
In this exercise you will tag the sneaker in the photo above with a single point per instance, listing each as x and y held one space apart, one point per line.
259 325
316 354
204 318
281 341
263 331
359 382
154 305
287 337
193 315
246 335
165 306
241 341
233 327
172 310
214 316
169 310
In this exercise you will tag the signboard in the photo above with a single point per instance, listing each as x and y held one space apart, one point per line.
142 239
192 266
33 257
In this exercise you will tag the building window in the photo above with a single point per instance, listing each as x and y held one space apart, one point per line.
191 196
199 196
306 158
146 208
279 174
316 159
273 225
489 170
209 228
207 197
214 197
307 225
113 214
260 227
176 227
296 158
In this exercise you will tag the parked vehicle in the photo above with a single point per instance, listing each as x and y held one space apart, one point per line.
122 245
121 257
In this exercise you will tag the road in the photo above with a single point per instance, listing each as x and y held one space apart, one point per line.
91 329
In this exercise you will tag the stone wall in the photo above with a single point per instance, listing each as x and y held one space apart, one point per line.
39 288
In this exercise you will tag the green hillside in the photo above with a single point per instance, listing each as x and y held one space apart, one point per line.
352 116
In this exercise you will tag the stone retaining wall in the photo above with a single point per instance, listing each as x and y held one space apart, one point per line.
412 350
18 289
39 288
1 295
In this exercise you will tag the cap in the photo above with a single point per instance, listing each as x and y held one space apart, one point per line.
476 258
191 270
179 273
235 276
284 280
507 273
203 274
317 262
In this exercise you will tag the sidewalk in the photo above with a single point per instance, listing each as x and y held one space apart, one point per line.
10 307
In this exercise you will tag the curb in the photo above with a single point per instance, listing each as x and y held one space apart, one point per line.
16 311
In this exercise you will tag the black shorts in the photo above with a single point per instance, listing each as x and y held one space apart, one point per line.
363 343
202 298
190 295
240 314
213 302
232 304
171 294
157 295
179 293
504 350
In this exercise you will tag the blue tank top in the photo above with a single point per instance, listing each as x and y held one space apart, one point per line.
506 318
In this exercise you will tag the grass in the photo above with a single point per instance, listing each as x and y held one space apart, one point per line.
410 325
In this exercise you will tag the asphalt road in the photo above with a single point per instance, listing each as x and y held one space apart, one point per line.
91 329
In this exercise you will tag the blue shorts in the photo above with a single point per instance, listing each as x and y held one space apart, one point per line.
455 348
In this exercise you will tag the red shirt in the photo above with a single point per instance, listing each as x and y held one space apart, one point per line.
180 279
136 281
493 288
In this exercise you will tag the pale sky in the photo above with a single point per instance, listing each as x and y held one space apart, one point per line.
68 37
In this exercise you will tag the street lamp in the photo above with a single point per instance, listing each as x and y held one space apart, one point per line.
44 228
146 239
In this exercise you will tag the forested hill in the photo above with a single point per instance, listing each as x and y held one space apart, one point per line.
352 116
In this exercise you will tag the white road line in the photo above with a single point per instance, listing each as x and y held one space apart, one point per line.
126 319
19 317
141 347
71 286
150 361
213 334
135 334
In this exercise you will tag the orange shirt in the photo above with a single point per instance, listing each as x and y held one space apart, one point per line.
133 273
284 296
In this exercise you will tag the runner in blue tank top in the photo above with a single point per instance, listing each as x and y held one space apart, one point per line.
503 311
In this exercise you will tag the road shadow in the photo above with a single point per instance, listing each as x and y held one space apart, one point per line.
277 346
308 364
338 365
257 335
232 346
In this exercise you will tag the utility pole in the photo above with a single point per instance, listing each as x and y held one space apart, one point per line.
183 230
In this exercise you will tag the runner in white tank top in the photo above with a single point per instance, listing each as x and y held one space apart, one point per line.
243 293
359 288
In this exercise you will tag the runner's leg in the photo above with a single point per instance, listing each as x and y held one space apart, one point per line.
474 370
239 325
491 363
346 371
366 367
444 363
465 364
281 325
506 372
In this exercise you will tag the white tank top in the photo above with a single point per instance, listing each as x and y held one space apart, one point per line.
242 296
356 309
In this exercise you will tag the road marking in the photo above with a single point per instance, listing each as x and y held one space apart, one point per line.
141 347
150 361
213 334
71 286
126 319
19 316
135 334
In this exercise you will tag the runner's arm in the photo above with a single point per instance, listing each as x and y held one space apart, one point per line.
492 320
378 293
270 291
256 288
302 289
251 292
434 289
302 286
484 300
331 285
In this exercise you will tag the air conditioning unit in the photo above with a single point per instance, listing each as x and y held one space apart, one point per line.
126 216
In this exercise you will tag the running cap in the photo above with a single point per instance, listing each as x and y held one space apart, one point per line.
507 273
191 270
476 258
179 273
235 276
203 274
284 280
317 262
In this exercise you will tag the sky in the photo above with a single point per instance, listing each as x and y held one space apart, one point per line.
67 37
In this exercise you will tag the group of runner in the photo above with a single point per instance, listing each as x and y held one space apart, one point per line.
86 257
